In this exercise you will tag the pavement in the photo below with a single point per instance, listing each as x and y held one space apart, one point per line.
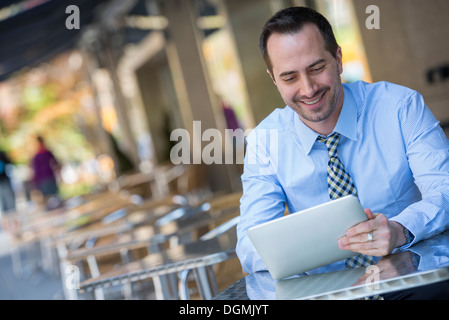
31 283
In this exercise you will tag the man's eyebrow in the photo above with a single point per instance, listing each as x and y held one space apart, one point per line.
315 63
288 73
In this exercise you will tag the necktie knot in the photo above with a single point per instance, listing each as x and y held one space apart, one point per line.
331 143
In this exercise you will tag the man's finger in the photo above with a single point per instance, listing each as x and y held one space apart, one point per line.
369 214
363 227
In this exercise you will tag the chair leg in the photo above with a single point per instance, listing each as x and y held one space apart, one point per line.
95 272
206 282
183 284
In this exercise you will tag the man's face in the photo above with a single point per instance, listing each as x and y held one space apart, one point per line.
307 76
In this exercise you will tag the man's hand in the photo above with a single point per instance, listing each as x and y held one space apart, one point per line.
376 237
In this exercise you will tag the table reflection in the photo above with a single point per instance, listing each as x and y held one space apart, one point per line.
423 264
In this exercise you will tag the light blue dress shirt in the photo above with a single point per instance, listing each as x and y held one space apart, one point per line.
391 145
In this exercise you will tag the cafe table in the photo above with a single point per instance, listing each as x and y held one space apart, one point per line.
423 268
197 256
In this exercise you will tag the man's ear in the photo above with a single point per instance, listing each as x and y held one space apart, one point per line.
339 58
271 76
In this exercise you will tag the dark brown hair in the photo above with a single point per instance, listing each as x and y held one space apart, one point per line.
291 20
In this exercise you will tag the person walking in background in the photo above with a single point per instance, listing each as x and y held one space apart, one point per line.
46 169
7 196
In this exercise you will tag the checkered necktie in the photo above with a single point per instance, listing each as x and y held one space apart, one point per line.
340 184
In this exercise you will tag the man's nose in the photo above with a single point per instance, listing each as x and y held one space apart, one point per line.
308 87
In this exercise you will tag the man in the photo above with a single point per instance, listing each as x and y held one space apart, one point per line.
393 150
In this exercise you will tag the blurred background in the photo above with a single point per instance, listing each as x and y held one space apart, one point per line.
105 82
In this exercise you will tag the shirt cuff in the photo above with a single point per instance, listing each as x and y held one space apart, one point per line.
409 239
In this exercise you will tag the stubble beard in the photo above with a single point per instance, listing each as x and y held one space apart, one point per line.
325 110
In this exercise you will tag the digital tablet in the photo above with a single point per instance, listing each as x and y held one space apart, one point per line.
307 239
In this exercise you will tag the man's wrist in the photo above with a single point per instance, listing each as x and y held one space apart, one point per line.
401 236
408 236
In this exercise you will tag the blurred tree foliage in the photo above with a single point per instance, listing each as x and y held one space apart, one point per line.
46 100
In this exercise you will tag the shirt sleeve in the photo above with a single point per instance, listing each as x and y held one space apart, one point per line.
432 253
263 200
427 150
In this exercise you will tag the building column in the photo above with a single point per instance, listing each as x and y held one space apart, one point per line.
246 20
197 101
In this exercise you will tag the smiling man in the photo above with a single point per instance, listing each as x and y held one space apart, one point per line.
307 76
377 141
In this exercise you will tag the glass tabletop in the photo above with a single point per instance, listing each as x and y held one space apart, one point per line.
423 267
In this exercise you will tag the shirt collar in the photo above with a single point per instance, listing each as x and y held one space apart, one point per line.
346 124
